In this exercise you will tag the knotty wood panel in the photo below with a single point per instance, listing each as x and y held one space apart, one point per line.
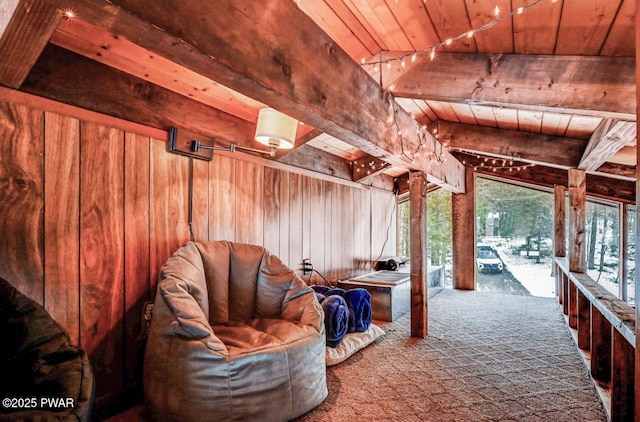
136 251
200 200
318 228
577 204
168 214
61 222
580 36
348 232
336 232
285 228
21 206
102 253
529 37
306 217
329 189
222 198
295 221
249 203
272 210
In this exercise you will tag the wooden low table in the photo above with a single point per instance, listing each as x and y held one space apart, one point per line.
390 292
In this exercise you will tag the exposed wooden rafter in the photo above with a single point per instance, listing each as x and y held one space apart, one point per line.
367 167
608 138
295 68
107 91
590 86
25 29
511 144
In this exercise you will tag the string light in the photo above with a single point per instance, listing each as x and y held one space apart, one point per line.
70 14
495 164
467 34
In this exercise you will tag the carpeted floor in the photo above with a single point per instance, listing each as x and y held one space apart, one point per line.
488 357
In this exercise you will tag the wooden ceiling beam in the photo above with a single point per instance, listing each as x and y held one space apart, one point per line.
584 85
512 144
597 185
608 138
293 67
367 167
301 141
107 91
25 29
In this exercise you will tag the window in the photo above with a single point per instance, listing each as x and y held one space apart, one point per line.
631 255
602 241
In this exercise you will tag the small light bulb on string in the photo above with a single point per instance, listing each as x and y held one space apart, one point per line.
497 11
70 14
388 65
413 57
470 34
448 41
362 61
432 55
403 64
520 10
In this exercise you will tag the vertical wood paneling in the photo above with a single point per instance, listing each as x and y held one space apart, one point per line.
136 251
348 233
306 217
61 222
102 253
358 224
336 232
249 203
222 198
295 222
201 190
318 228
168 213
22 193
284 215
367 235
328 229
272 201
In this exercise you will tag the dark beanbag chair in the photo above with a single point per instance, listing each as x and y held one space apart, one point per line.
37 361
336 319
359 305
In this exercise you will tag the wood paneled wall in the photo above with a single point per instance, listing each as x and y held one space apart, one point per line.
90 214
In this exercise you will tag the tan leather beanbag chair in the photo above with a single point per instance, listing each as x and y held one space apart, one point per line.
235 335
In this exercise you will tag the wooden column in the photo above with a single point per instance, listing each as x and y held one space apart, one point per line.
577 211
464 235
623 246
573 305
559 206
418 252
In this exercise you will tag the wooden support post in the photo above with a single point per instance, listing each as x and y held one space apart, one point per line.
565 293
463 210
623 246
573 305
577 211
559 206
558 279
418 252
600 347
584 322
622 407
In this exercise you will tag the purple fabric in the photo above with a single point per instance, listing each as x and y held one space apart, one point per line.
320 297
359 304
321 289
336 319
334 291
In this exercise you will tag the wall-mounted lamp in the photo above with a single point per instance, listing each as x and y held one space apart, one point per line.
274 129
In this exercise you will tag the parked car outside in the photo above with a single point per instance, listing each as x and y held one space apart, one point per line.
488 260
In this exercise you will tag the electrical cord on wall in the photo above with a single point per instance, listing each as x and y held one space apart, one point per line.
323 277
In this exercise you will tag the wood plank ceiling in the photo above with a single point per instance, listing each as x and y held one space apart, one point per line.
557 74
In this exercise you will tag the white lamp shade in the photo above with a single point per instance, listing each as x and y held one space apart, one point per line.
275 129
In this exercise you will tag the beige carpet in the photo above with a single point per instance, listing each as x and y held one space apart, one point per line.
488 357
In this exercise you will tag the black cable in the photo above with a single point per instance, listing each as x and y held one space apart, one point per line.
313 270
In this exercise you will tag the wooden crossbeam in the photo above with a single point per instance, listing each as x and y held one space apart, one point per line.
503 143
295 68
25 29
586 85
608 138
367 167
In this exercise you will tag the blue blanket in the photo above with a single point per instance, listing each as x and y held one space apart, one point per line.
359 304
321 289
336 319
